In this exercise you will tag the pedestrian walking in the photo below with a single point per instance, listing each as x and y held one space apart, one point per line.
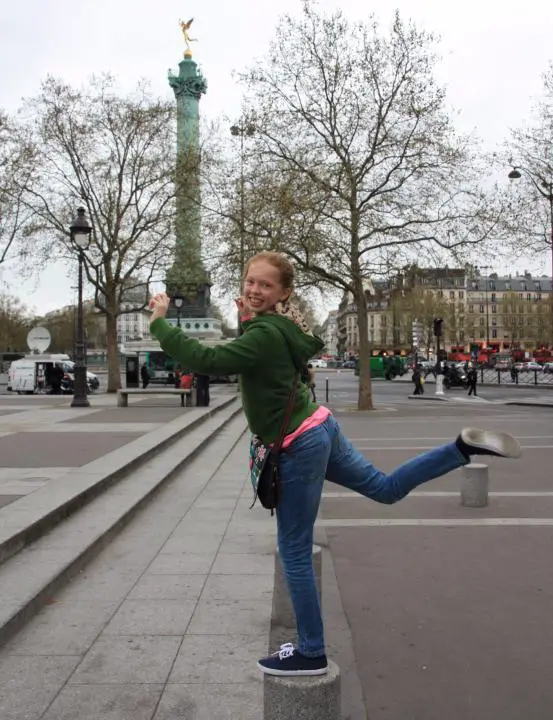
418 380
268 357
145 376
472 377
56 377
308 379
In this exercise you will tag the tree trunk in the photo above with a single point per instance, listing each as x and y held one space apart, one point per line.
114 376
365 399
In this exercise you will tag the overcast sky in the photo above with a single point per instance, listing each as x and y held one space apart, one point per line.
493 56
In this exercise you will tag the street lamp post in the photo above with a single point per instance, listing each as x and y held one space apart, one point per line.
80 231
178 302
438 329
545 189
486 269
243 129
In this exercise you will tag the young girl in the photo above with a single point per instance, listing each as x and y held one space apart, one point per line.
275 345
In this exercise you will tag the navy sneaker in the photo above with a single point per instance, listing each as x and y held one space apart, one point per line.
473 441
288 661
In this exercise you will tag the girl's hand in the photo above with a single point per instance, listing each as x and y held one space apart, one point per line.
241 305
159 305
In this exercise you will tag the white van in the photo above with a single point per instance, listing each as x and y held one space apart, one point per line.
29 374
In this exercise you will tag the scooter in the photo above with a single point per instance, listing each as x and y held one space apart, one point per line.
68 385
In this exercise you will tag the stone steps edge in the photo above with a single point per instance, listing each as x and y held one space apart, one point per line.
21 616
20 539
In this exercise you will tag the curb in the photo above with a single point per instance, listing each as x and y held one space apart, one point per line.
434 398
42 510
530 403
521 403
49 576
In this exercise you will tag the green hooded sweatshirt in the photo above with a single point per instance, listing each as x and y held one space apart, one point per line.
267 357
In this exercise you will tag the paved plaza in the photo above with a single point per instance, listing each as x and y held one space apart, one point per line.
431 609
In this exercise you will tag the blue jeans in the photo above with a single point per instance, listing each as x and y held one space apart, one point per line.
324 452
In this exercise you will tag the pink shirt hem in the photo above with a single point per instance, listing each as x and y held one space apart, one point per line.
318 418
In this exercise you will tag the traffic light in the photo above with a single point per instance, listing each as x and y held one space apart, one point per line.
438 327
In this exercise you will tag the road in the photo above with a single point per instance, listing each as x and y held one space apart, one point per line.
449 607
343 388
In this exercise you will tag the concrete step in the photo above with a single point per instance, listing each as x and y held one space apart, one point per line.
40 511
29 578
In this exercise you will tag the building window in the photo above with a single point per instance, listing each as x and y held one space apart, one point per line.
494 333
461 294
492 285
494 308
507 286
471 308
529 297
481 322
494 321
452 294
481 308
493 297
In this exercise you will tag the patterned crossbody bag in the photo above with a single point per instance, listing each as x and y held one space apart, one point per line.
264 471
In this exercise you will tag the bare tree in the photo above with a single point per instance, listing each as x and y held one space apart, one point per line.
355 163
15 323
17 168
116 156
530 152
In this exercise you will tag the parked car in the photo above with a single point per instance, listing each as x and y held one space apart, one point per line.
532 365
318 363
502 365
548 367
348 365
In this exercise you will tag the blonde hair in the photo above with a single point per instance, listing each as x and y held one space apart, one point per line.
280 262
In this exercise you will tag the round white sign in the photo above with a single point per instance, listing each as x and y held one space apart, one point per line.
39 339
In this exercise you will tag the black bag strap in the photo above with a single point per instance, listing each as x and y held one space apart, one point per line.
287 415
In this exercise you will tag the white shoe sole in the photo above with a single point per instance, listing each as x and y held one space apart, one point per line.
502 444
290 673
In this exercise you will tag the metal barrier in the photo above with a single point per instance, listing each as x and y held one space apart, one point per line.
522 377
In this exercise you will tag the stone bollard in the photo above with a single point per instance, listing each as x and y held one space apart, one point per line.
474 489
312 697
283 612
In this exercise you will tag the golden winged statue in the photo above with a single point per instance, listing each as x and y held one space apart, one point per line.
185 27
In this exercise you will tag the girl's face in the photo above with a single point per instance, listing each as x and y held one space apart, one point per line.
263 287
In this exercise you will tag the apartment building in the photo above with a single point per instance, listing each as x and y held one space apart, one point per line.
495 312
329 333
